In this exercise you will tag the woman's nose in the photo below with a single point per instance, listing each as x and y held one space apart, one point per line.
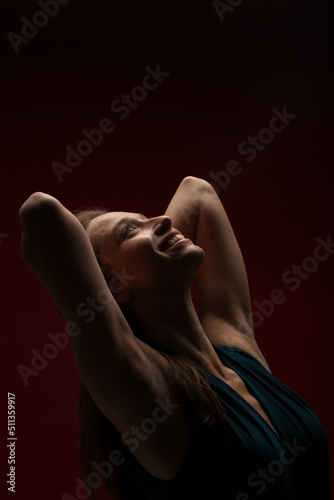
161 224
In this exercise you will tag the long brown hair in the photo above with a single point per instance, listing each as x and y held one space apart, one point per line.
96 433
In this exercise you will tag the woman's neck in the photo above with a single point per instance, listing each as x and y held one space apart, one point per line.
173 322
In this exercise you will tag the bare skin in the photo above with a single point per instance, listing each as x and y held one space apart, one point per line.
166 314
123 374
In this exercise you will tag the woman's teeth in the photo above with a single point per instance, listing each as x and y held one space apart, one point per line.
173 240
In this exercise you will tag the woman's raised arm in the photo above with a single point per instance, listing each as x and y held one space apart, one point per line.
222 285
57 249
123 375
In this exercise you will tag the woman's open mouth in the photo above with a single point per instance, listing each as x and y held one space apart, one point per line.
171 241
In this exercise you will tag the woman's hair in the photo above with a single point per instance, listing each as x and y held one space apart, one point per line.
97 436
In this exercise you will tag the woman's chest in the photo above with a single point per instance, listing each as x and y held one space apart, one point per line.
235 382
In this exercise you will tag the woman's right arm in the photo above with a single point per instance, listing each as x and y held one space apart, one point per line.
56 248
121 373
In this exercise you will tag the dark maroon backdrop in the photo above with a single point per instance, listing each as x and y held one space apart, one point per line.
225 78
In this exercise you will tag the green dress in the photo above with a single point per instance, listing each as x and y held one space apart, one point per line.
243 458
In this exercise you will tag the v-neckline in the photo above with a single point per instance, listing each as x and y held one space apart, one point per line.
270 426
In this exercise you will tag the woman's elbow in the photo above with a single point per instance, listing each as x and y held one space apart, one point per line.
38 203
201 190
37 211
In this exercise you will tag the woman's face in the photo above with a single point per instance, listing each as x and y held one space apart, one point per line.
146 253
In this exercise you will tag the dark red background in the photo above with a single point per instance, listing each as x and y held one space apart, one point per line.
225 79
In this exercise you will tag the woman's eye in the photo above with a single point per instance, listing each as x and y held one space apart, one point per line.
127 230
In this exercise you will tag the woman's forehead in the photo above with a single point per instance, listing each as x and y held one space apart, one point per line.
109 218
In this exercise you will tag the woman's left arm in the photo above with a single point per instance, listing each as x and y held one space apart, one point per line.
222 285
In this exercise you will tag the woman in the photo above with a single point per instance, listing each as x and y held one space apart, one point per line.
183 401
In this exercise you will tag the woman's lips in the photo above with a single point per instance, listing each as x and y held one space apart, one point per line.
178 242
